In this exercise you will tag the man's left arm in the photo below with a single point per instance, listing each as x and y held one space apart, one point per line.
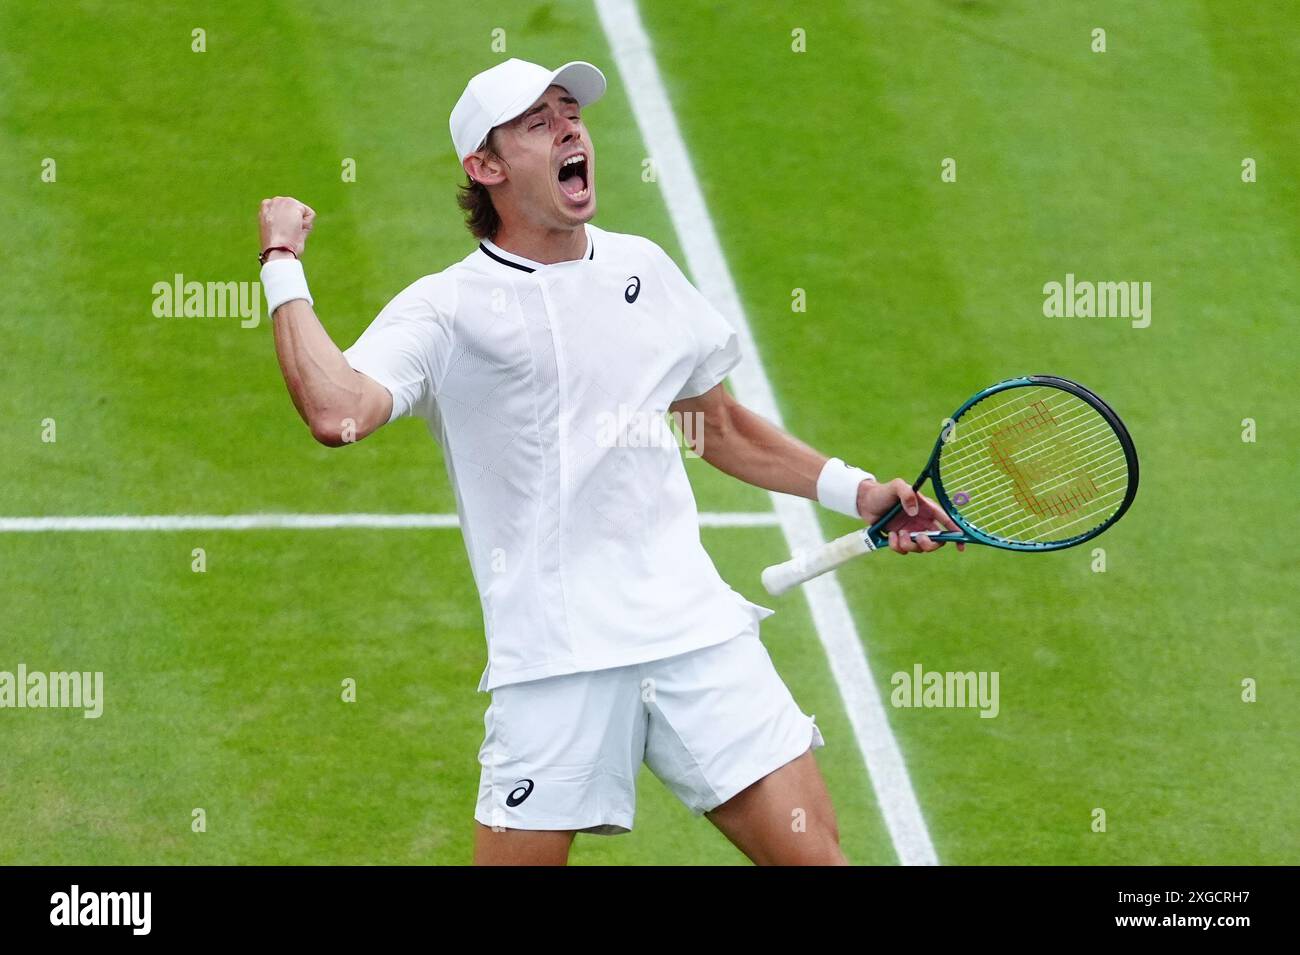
750 448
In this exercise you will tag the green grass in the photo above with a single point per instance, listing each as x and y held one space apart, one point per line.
1119 690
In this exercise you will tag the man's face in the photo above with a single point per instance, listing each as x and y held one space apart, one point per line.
549 175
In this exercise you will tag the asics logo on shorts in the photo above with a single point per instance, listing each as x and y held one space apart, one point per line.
519 793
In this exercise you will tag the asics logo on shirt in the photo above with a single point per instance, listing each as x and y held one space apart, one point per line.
633 289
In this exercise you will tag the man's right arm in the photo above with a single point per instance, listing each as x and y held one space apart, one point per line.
338 403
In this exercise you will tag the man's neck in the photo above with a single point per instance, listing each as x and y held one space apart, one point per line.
546 246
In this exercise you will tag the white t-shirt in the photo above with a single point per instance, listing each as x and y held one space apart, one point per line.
543 384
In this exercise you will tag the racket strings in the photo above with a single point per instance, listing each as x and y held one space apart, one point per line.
1034 464
978 458
1097 512
1067 493
977 424
975 464
1098 447
1033 476
1081 498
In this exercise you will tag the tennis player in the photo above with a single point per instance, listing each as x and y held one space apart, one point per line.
537 361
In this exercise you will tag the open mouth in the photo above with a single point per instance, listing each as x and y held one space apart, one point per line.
573 177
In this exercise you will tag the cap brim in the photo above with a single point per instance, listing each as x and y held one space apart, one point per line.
583 81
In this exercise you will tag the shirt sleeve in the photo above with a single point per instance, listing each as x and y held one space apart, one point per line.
717 349
408 345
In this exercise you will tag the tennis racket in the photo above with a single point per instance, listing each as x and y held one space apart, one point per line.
1030 464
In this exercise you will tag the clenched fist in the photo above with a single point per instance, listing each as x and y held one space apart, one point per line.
285 221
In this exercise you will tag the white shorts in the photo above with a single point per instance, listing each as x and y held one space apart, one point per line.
563 752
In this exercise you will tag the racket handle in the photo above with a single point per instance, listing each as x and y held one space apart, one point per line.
779 578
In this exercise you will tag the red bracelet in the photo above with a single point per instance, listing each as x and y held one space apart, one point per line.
275 248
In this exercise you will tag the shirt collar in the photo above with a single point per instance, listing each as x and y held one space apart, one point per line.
502 257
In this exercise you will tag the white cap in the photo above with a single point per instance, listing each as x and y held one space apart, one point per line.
500 94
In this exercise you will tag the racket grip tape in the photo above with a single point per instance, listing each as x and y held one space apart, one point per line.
779 578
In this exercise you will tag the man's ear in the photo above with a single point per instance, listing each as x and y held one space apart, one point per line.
484 167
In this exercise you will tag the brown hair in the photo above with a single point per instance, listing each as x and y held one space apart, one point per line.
480 215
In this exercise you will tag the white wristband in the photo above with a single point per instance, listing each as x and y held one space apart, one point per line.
283 280
837 487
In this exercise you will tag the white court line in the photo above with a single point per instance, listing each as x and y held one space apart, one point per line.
247 522
830 612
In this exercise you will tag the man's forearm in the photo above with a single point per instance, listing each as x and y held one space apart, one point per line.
325 389
752 449
339 404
